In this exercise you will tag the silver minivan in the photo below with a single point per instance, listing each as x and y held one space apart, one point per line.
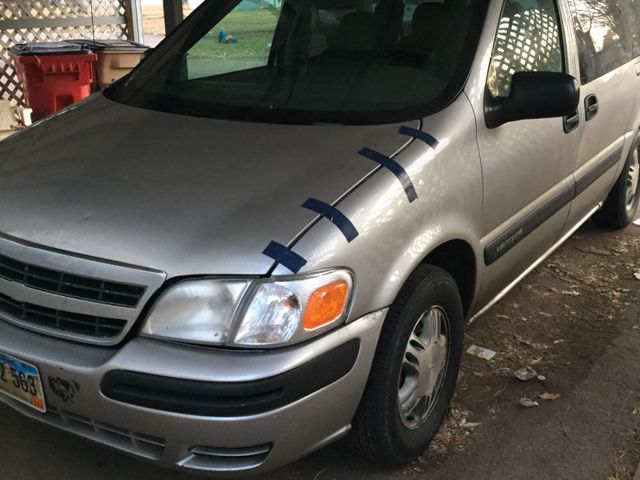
271 234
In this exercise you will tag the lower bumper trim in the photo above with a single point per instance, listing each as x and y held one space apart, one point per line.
219 399
225 459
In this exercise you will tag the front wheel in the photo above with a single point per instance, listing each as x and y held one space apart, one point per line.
414 372
620 207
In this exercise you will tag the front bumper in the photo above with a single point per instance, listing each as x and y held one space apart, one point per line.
231 442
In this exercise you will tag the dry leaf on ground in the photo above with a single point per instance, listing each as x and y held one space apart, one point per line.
550 396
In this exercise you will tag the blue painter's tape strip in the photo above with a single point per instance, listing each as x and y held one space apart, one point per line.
395 168
420 135
334 215
284 256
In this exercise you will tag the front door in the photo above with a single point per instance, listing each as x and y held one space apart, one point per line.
528 164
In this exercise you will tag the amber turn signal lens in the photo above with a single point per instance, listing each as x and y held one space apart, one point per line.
325 305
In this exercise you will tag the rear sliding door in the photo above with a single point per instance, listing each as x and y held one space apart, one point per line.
604 33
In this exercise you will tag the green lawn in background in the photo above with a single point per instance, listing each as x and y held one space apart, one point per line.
253 29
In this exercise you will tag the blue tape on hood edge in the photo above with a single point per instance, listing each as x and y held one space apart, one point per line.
420 135
395 168
334 215
284 256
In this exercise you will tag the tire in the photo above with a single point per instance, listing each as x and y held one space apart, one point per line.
620 207
383 432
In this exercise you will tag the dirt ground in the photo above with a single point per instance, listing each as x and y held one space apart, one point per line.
153 19
575 320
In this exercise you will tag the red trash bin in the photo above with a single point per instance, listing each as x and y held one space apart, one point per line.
54 75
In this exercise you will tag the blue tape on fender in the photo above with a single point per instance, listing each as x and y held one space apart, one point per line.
284 256
419 134
334 215
395 168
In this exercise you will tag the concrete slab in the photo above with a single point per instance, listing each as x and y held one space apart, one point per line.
6 116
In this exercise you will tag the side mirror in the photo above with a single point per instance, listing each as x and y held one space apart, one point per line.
534 95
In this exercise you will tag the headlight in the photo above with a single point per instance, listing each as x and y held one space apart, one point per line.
198 312
251 313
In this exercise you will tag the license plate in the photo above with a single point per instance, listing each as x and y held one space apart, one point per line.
21 381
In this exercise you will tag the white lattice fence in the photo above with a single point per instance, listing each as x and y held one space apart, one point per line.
53 20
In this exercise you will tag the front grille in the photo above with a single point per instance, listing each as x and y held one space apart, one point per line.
122 439
67 322
116 437
68 285
69 296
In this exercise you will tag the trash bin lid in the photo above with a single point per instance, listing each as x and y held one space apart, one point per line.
46 48
109 45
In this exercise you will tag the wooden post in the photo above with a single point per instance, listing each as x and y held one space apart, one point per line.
172 14
134 20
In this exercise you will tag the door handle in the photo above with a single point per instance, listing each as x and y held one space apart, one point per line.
571 122
590 107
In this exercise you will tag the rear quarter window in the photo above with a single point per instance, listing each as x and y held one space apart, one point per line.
633 10
604 34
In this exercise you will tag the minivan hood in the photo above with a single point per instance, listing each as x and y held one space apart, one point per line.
180 194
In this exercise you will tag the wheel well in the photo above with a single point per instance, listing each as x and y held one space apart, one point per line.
458 259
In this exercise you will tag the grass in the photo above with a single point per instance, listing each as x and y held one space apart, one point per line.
252 29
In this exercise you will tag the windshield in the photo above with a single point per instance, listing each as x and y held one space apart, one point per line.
310 61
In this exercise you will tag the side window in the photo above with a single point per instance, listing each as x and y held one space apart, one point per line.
634 22
603 35
528 40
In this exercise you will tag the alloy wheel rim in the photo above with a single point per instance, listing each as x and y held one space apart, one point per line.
633 179
424 366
